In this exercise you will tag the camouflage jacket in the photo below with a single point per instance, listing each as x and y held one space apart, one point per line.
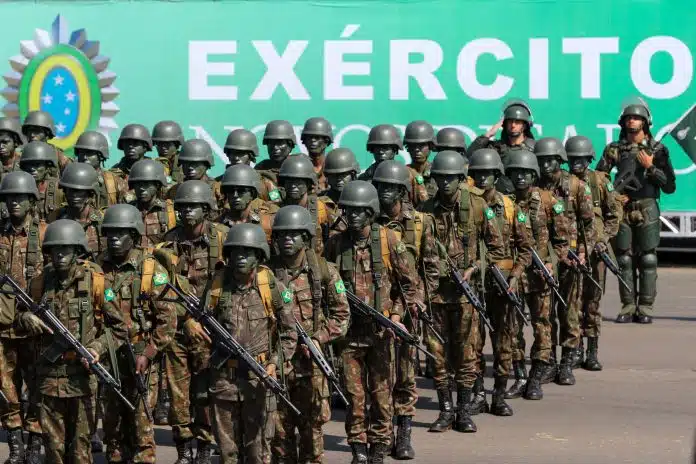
90 219
214 186
503 184
174 173
258 212
336 223
608 211
9 165
50 198
159 218
320 217
112 188
423 186
269 170
322 181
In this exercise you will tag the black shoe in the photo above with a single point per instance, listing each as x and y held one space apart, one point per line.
579 355
520 384
359 453
643 319
97 443
565 371
404 449
445 419
204 452
591 361
16 447
498 405
534 391
183 452
33 451
623 318
550 369
463 422
478 403
377 453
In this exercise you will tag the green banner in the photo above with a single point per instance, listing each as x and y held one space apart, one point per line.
216 66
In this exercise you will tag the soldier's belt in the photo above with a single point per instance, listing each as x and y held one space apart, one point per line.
233 364
505 264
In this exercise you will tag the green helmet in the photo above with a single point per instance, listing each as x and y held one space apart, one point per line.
484 159
384 134
242 140
241 175
93 140
79 176
448 162
196 150
294 217
450 138
419 132
516 108
147 170
135 132
40 119
393 172
65 232
247 235
579 146
359 193
39 151
123 216
167 131
194 191
341 160
522 159
12 126
636 110
279 130
297 167
550 146
18 182
317 126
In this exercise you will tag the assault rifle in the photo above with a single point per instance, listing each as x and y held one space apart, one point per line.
548 277
583 269
64 340
140 381
611 265
469 293
504 288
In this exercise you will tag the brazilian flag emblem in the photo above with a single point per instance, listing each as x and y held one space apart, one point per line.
521 217
610 187
286 295
109 294
340 287
558 208
160 278
274 195
490 214
419 179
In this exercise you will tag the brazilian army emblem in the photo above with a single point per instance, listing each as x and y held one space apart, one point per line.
63 73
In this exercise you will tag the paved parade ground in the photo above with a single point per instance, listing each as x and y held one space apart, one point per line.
639 409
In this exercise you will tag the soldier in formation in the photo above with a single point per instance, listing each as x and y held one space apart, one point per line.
279 138
316 136
11 141
92 148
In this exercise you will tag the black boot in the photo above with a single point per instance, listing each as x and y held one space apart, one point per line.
498 405
565 372
551 369
445 420
534 391
377 453
97 443
16 447
404 449
183 452
33 452
520 384
161 412
204 452
478 404
579 355
591 361
359 453
463 421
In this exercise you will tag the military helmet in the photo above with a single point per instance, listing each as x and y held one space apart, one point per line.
194 191
393 172
123 216
18 182
522 159
247 235
196 150
359 193
340 160
484 159
242 140
384 134
636 110
79 176
135 132
317 126
39 151
448 162
450 138
12 126
294 217
40 119
147 170
550 146
241 175
579 146
516 108
65 232
93 140
297 167
419 132
167 131
279 130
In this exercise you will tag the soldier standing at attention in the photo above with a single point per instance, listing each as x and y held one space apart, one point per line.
317 136
134 142
384 143
39 160
419 140
148 180
11 141
168 138
279 138
93 148
38 126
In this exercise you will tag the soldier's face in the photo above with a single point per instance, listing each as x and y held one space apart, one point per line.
514 127
578 165
295 189
239 197
278 150
383 152
389 194
18 204
145 192
63 257
316 144
91 157
357 217
484 179
549 165
338 181
134 150
447 184
191 214
238 156
119 241
194 170
35 133
419 151
243 260
521 178
38 169
167 149
289 242
77 198
634 124
7 145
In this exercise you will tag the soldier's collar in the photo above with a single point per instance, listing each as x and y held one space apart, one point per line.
134 258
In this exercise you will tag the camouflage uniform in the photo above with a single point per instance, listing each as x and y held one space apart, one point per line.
260 212
214 186
10 164
418 193
158 219
422 184
90 219
112 188
269 170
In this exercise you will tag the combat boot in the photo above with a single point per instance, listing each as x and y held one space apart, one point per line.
183 452
591 361
565 372
161 412
463 422
498 405
359 453
33 452
478 404
16 447
204 452
534 391
551 369
445 420
520 384
377 453
404 449
579 355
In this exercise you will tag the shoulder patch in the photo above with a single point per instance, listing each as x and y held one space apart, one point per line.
490 214
274 195
160 278
109 294
610 187
340 287
521 217
588 191
558 208
419 179
286 295
400 247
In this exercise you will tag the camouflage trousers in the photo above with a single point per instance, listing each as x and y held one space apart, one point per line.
17 365
570 283
186 360
310 395
539 303
369 370
591 296
68 425
459 326
504 321
404 392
